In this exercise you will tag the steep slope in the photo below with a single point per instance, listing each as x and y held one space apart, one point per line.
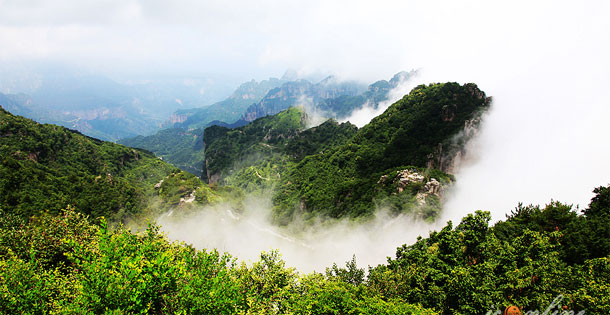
228 110
331 97
414 133
256 156
228 149
48 167
177 146
399 161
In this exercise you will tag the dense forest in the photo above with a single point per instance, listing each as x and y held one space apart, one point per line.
335 170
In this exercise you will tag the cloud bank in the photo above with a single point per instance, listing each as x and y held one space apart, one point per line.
305 247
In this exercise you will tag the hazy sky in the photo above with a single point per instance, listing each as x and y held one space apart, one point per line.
545 62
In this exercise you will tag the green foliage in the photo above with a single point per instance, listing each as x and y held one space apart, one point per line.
583 237
229 149
47 168
350 274
64 264
118 272
528 261
318 139
177 146
343 180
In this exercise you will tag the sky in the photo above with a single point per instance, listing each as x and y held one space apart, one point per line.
545 63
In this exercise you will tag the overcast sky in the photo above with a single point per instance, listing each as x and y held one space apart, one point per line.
545 62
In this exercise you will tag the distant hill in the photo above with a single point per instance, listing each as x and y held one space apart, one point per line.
102 107
333 98
48 168
330 98
229 110
18 104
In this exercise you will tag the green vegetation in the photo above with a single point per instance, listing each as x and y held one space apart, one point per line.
47 167
526 261
60 255
256 156
227 149
177 146
63 264
82 268
335 170
344 180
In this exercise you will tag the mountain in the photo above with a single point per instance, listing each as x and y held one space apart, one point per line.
102 107
48 168
259 152
180 147
301 92
228 110
330 97
18 104
398 160
54 259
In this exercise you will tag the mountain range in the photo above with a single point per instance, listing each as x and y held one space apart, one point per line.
99 106
329 98
64 197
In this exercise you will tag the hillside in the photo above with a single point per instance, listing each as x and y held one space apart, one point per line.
257 155
48 168
413 138
181 144
400 160
228 110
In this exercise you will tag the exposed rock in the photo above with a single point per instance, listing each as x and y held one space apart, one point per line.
432 187
405 177
188 199
158 185
177 118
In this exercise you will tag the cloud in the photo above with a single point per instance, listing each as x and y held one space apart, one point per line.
363 115
306 247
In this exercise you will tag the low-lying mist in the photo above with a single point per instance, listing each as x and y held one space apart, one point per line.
307 247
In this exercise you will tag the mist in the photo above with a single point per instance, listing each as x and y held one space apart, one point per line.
307 247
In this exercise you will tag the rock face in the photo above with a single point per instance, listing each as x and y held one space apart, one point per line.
177 118
406 177
329 95
301 92
448 156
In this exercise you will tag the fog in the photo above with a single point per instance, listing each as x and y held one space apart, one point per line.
363 115
307 247
545 63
